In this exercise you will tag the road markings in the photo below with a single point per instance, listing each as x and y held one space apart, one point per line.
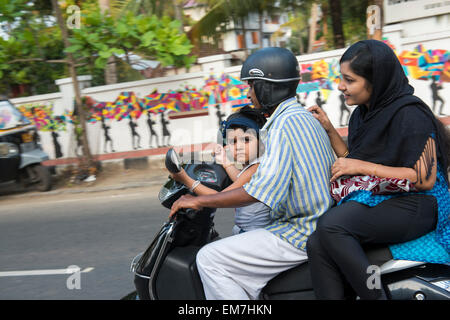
44 272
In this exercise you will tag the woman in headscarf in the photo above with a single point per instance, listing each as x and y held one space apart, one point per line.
391 182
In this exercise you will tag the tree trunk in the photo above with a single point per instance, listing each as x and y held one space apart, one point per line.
178 13
300 45
87 162
312 27
325 13
336 19
244 34
111 71
111 68
260 16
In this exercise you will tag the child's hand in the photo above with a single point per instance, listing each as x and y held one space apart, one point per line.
220 155
180 176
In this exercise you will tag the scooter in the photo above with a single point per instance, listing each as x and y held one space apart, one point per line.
21 156
167 269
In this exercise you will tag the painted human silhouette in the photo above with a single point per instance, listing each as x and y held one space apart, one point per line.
79 146
134 135
55 135
165 132
435 87
106 129
344 108
319 100
219 114
153 133
300 100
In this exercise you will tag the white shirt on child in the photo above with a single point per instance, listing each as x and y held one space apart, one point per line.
253 216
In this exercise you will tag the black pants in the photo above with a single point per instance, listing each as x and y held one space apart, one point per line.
335 249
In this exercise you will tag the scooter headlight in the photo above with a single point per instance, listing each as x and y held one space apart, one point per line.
135 262
8 150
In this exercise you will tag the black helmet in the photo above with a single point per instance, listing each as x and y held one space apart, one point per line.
275 74
271 64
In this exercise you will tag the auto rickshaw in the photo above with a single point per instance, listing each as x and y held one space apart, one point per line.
21 155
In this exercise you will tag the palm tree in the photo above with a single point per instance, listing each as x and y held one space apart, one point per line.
160 8
336 19
148 7
110 70
298 23
222 12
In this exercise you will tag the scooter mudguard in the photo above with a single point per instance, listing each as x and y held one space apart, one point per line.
178 278
32 157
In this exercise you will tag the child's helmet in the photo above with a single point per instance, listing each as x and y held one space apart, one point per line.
245 118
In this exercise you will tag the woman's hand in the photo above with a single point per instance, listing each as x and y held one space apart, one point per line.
349 167
321 115
186 201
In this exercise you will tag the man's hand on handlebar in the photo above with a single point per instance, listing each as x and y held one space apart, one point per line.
186 201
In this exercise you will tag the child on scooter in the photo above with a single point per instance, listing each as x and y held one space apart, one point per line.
241 139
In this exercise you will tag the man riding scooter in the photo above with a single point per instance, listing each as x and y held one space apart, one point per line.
292 180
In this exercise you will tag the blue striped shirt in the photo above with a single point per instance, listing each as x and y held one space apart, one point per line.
294 173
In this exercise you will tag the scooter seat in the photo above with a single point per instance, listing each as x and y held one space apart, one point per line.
296 283
294 280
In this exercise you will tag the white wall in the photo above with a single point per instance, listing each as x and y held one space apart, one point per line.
204 128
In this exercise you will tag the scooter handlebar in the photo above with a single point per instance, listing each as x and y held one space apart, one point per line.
189 213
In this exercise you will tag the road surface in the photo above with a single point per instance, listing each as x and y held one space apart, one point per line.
95 233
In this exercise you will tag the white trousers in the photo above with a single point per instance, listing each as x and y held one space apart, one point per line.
239 266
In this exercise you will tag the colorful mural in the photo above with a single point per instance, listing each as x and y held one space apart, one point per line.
426 64
128 105
43 118
226 89
320 77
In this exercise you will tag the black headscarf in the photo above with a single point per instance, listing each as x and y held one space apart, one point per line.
394 130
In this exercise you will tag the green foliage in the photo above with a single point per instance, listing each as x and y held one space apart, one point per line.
221 12
32 35
27 35
147 36
354 20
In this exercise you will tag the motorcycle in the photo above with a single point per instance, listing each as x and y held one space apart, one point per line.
21 156
167 269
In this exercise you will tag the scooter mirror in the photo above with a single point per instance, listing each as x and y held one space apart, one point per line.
173 161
